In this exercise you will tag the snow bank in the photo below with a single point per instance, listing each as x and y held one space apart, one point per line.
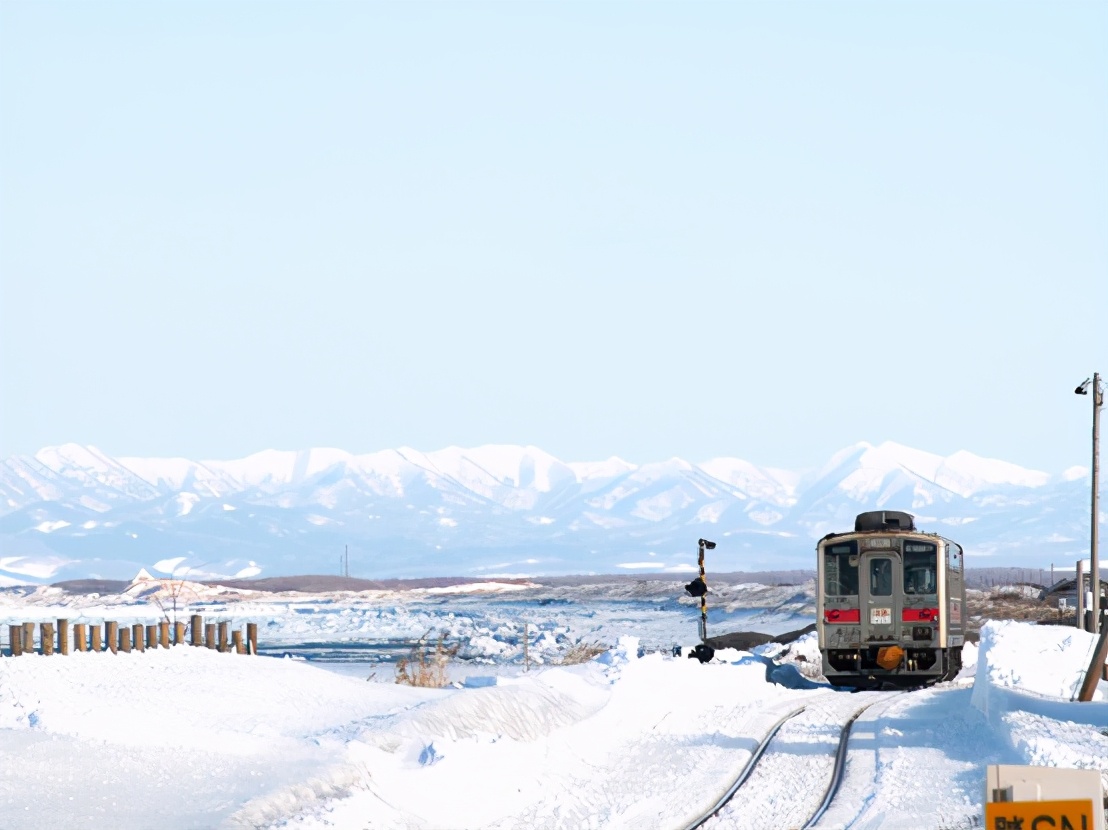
1045 660
1027 677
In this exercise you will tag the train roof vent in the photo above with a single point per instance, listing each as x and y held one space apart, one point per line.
884 520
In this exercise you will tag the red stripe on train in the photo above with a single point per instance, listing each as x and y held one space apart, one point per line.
845 615
920 615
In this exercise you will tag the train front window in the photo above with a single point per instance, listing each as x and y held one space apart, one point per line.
880 577
920 576
840 570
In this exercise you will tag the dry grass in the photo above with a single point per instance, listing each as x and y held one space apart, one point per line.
1004 604
1010 605
424 667
581 653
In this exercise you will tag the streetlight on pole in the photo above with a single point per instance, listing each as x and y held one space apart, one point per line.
1094 563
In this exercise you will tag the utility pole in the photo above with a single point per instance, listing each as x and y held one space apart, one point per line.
346 561
1094 561
1094 538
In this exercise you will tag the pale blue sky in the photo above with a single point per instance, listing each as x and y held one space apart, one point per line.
646 229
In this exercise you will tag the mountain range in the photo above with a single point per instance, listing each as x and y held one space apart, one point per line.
72 511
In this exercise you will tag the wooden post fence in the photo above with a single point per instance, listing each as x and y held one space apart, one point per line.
58 638
46 637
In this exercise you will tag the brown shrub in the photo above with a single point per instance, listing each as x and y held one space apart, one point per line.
581 653
424 667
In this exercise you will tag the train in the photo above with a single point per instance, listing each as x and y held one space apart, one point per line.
890 604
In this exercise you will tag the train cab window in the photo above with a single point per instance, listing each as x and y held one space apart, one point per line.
920 576
880 577
840 570
954 556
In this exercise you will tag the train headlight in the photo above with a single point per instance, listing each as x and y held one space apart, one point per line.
921 632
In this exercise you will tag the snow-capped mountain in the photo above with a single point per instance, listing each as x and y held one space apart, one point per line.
72 511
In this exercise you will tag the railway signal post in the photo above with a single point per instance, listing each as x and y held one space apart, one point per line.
699 588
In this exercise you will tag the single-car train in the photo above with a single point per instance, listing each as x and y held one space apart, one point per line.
890 604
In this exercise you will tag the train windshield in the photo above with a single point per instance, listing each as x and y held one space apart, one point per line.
840 569
881 577
919 568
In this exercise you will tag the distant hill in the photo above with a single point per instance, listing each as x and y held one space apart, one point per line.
73 512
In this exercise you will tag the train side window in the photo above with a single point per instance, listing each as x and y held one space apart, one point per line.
880 577
840 571
954 556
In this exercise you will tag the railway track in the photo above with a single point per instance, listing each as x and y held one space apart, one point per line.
794 774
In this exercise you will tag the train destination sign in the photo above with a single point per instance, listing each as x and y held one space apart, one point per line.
880 616
1039 815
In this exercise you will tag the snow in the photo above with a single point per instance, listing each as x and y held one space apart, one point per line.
185 503
635 738
614 467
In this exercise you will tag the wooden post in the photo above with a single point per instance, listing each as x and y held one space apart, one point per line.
46 638
125 639
252 638
1096 666
209 635
79 637
63 636
223 636
197 630
95 633
236 638
136 637
178 633
28 638
151 636
15 639
163 633
111 634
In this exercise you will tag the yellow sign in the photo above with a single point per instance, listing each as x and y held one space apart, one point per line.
1039 815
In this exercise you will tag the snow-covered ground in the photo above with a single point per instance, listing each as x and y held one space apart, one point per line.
189 738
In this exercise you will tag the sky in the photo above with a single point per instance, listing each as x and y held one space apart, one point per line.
648 230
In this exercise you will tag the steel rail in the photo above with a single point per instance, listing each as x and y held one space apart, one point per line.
840 767
833 786
746 771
